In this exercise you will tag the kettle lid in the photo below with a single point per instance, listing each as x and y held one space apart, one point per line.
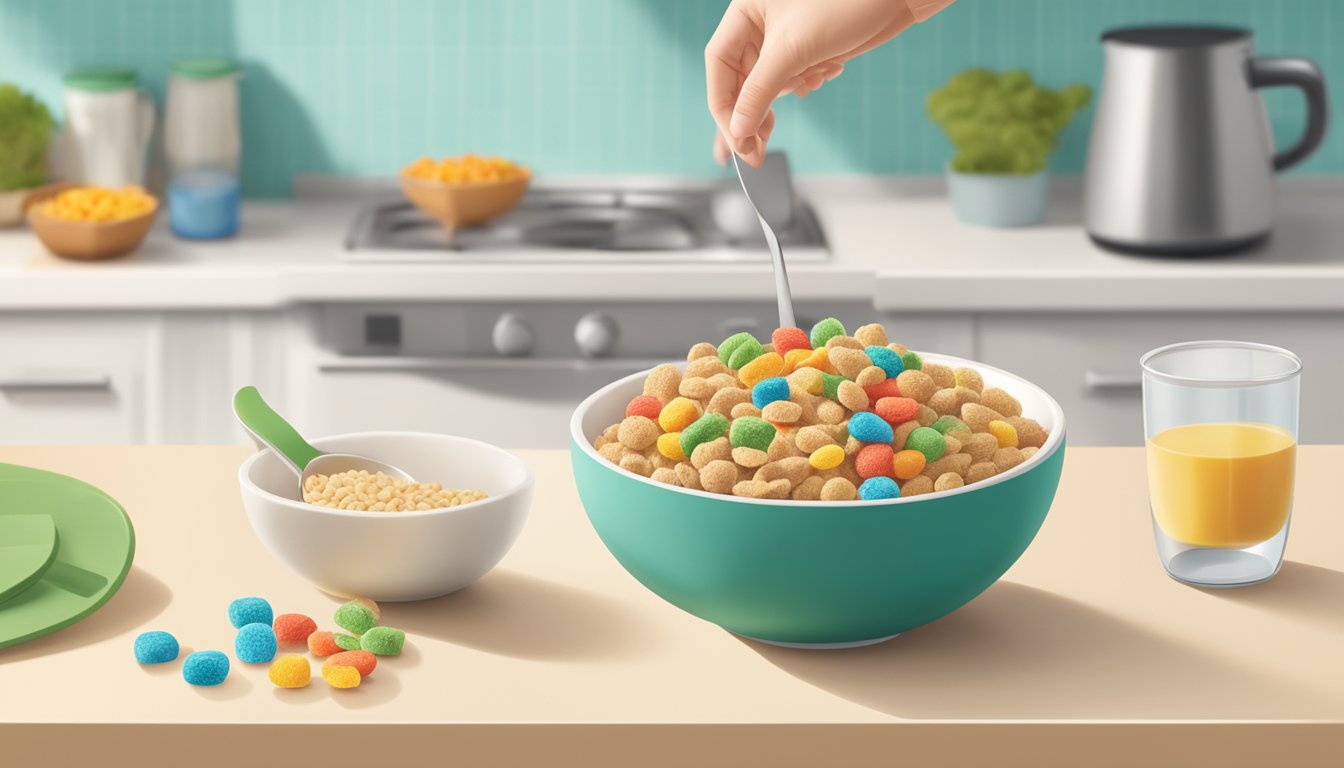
1175 36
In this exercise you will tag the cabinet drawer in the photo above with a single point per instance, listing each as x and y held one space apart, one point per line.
74 379
1090 363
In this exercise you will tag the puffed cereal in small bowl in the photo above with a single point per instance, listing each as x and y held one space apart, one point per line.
93 223
406 554
810 572
465 191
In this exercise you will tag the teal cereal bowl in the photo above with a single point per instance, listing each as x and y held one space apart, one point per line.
816 574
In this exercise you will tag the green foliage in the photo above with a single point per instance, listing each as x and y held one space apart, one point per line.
25 128
1002 122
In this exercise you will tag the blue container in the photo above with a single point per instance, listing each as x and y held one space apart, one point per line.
998 200
204 205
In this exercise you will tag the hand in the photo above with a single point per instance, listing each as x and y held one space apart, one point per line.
764 49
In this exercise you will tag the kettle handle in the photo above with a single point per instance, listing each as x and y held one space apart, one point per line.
1266 72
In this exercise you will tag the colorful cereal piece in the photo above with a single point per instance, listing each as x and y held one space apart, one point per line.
644 405
765 366
874 460
155 648
908 463
877 488
355 618
292 671
293 628
669 445
819 359
751 432
1004 433
678 415
945 424
745 353
868 427
364 662
888 361
768 391
345 642
848 362
729 345
709 427
927 441
827 457
896 410
322 644
341 676
826 330
205 668
809 380
250 610
794 357
787 340
911 361
255 643
888 388
383 641
830 385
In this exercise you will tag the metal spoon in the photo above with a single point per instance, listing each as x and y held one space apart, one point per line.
759 184
269 430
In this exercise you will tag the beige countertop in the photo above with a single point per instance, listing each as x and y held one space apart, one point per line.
558 656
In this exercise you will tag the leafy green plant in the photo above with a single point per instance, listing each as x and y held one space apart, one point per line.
1003 122
25 129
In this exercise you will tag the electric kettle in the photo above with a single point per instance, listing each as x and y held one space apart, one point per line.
1181 159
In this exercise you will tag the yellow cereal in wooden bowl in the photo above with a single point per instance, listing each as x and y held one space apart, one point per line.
98 204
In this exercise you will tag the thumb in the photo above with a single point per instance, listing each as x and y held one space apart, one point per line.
774 68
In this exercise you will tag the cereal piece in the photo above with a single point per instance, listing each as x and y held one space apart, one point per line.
884 388
982 470
340 676
156 647
875 460
751 489
344 641
941 375
705 367
1030 433
751 433
613 452
871 428
852 396
870 376
724 400
957 463
714 450
947 424
838 489
908 463
293 628
1029 451
811 438
381 641
981 446
852 446
205 668
809 380
819 359
830 412
664 475
364 661
744 353
781 448
953 444
322 644
808 403
703 349
1004 433
1007 458
948 481
978 416
915 385
687 475
825 330
751 458
789 339
718 476
355 618
969 378
795 469
677 415
669 445
769 390
662 382
744 410
896 410
888 361
1001 401
878 488
901 433
644 405
944 402
696 388
808 490
637 463
768 365
848 362
292 671
917 486
657 460
827 457
927 441
782 412
371 605
793 357
842 341
729 345
830 385
250 610
255 643
709 427
926 416
910 360
872 335
638 432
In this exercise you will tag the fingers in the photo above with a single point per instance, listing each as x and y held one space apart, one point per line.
728 57
720 149
756 145
775 67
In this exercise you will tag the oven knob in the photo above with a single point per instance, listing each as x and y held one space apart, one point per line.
512 336
595 334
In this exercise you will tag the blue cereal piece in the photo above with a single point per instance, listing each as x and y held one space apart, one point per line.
878 488
824 331
886 359
868 427
205 668
250 610
769 390
255 643
155 648
912 361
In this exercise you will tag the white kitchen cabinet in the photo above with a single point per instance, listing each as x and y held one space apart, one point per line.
1090 362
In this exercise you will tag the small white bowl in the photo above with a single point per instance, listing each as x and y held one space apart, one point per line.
393 556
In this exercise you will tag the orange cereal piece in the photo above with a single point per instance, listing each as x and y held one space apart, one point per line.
819 359
908 464
788 339
882 389
793 357
322 644
896 410
293 628
646 406
363 661
678 414
874 460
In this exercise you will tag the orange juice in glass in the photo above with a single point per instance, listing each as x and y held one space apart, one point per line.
1221 425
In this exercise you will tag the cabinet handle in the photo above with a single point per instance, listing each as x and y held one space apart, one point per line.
55 380
1095 381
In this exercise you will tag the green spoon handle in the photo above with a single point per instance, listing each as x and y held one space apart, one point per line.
268 426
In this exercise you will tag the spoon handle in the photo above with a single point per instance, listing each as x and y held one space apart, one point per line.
266 425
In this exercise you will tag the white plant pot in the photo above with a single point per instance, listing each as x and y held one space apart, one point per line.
998 200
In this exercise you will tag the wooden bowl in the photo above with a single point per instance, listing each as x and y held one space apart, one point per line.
91 240
468 204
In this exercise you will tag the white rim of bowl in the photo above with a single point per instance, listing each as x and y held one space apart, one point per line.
528 478
1241 381
1052 443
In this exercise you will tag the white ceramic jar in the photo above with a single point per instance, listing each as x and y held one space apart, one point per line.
108 123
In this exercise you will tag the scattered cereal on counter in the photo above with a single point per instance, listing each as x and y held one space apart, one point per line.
345 642
155 648
341 676
875 488
250 610
383 641
205 668
355 618
293 628
322 644
255 643
362 661
292 671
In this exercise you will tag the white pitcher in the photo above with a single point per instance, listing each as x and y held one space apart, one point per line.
108 123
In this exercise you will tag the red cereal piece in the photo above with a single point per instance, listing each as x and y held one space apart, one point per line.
787 339
360 660
874 460
322 644
644 405
882 389
896 410
293 628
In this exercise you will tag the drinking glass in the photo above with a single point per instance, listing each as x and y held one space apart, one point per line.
1220 418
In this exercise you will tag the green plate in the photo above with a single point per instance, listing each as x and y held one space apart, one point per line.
94 549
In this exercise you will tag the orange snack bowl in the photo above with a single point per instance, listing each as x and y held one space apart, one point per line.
465 204
91 240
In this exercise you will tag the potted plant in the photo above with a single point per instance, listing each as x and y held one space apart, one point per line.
25 129
1003 126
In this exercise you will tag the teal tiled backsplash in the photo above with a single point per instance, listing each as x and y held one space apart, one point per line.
595 86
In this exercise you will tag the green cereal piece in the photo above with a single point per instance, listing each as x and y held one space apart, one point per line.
355 618
912 361
824 331
927 441
745 352
346 642
751 432
945 424
729 345
830 385
711 426
383 641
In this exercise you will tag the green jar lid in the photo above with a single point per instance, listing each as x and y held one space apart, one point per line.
205 68
100 79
